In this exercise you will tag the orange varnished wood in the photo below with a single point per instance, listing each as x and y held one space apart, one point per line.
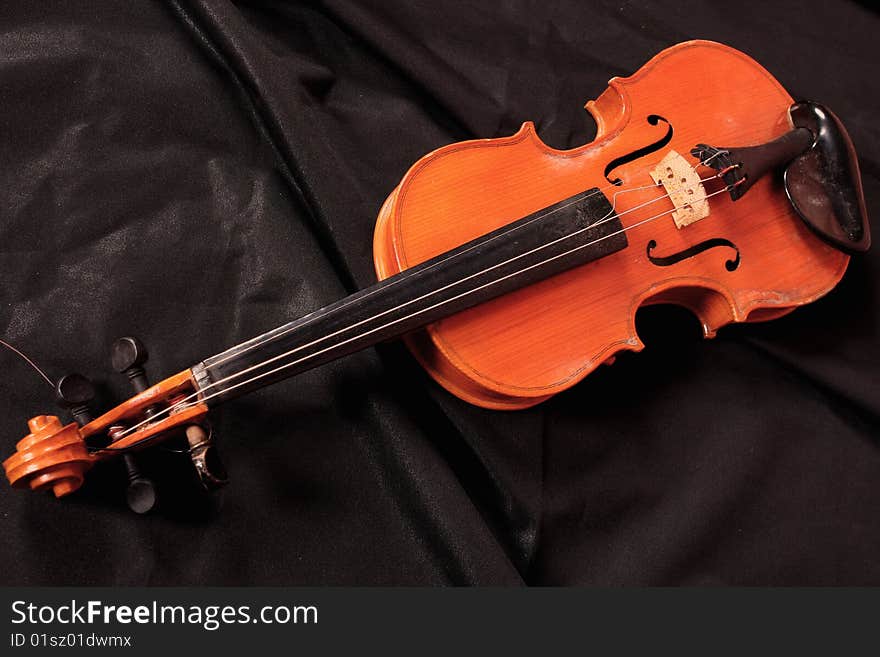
158 428
50 456
520 349
55 456
133 409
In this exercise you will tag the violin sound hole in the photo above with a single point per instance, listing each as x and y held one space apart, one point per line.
653 119
666 261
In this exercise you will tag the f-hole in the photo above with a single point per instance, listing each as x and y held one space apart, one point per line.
653 119
666 261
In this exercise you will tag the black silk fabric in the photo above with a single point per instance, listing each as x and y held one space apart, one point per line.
197 172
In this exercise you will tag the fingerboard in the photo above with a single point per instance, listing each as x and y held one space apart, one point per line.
573 232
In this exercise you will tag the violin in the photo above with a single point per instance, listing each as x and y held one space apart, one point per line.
512 270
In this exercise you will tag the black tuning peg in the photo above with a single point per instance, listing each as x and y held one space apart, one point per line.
141 492
74 392
127 356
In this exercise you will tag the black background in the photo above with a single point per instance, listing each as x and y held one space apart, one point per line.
196 173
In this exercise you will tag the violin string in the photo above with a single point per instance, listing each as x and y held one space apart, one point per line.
430 293
424 310
607 217
28 361
190 400
255 343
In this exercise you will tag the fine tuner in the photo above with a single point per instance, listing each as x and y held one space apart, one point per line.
512 270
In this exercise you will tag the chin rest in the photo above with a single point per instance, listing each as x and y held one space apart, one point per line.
823 183
822 178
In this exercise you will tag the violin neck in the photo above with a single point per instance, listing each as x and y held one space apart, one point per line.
573 232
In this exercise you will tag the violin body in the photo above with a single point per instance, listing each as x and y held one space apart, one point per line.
749 260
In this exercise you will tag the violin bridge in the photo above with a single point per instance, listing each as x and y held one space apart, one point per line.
684 187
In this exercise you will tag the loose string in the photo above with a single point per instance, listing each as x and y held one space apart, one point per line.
28 361
187 402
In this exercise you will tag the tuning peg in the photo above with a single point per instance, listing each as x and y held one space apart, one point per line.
73 392
127 355
141 492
